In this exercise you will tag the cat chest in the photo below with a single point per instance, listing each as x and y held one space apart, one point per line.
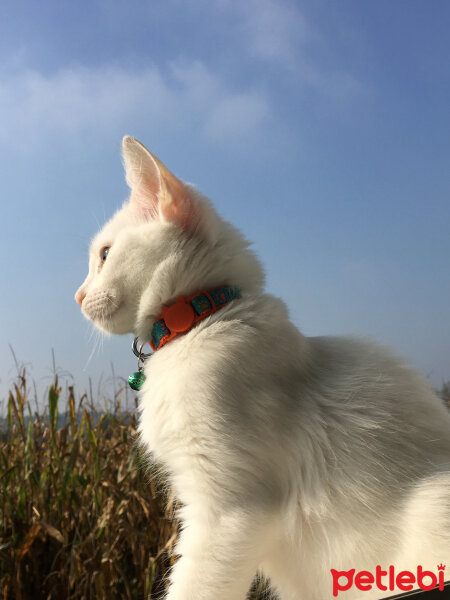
175 417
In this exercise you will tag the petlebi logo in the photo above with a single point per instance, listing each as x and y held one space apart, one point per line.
388 580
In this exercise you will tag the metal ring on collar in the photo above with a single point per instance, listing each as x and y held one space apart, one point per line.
141 355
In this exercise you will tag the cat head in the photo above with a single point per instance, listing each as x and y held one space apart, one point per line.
166 240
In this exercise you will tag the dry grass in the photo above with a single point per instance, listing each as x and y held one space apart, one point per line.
81 516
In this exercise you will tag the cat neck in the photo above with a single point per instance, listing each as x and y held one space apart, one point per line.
192 268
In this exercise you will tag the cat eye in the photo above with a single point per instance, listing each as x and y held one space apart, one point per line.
104 253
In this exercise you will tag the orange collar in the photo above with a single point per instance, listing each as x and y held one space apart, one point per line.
181 316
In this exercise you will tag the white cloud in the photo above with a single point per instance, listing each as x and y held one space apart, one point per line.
226 115
36 106
70 101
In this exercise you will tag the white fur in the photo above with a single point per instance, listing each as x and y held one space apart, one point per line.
290 455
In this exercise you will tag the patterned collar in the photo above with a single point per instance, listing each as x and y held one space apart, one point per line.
181 316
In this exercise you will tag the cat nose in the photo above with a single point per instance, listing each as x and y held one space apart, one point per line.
80 296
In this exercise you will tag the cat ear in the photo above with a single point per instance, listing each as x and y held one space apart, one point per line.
155 191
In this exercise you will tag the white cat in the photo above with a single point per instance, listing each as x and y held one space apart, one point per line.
290 455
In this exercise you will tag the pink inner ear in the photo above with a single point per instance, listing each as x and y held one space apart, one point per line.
179 210
146 191
144 179
145 204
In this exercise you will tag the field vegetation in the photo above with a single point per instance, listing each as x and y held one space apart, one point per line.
82 515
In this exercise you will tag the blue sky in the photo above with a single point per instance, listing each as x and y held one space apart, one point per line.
321 129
